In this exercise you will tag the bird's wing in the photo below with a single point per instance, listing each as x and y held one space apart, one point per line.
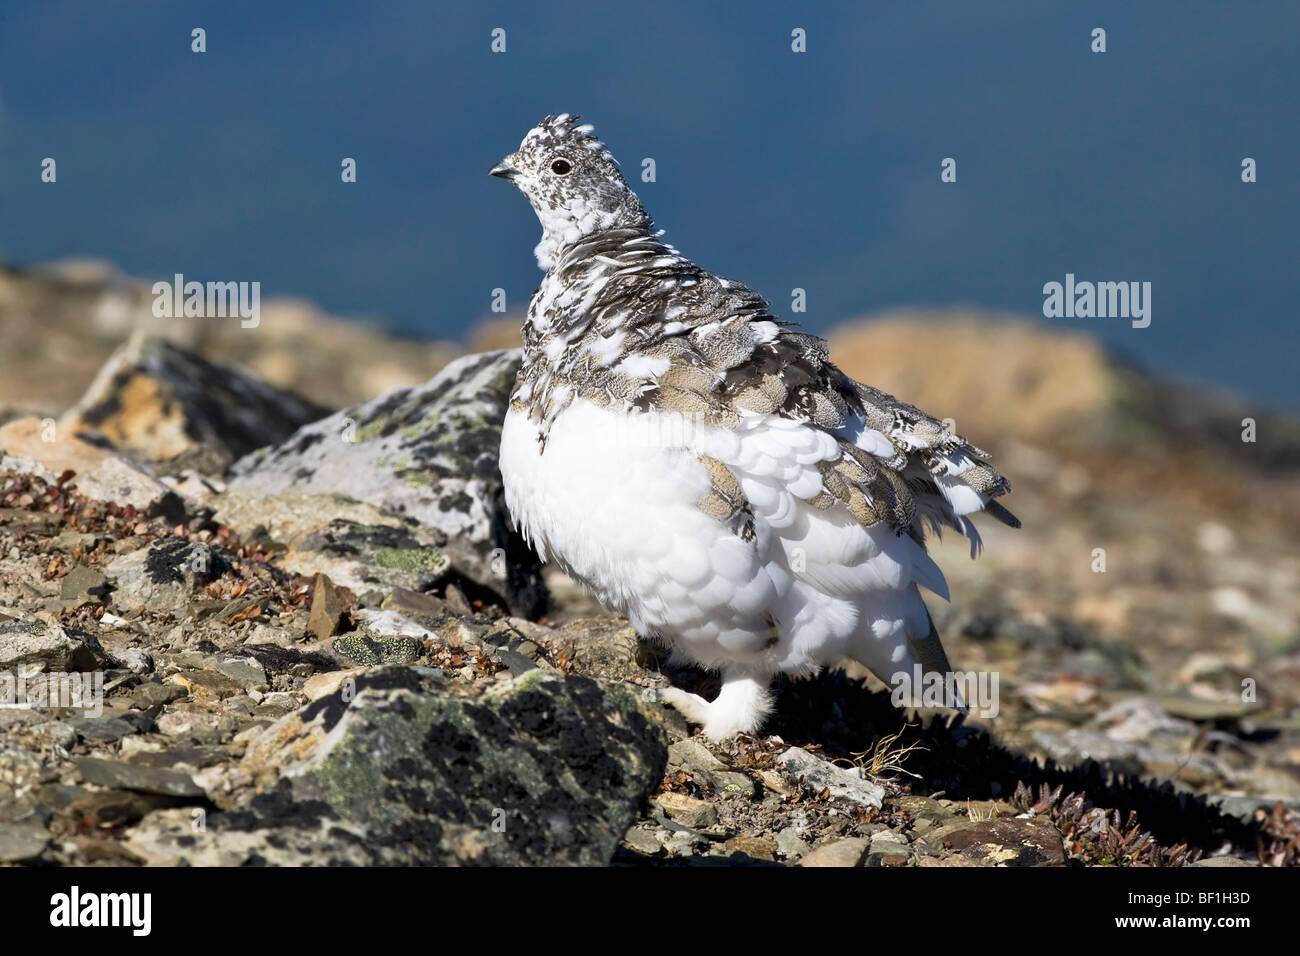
724 357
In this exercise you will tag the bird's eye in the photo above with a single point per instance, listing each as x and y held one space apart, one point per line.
560 166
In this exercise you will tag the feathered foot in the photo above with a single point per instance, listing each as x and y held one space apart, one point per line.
740 707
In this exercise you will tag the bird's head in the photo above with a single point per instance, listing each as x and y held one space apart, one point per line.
573 183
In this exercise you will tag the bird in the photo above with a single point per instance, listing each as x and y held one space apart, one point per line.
704 469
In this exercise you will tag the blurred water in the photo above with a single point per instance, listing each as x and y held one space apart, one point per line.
817 170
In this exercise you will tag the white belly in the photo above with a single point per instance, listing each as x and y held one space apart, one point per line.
614 499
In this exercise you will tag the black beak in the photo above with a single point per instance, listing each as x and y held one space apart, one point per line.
504 171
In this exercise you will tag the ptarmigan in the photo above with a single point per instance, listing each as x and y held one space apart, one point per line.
703 468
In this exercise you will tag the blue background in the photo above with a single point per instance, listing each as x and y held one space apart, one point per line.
818 170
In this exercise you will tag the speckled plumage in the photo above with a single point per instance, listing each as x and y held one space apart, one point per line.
703 466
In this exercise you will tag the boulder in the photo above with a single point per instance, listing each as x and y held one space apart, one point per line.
401 765
168 404
41 447
428 453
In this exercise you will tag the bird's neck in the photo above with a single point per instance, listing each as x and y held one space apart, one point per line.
579 225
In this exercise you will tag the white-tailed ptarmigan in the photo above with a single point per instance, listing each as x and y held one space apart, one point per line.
703 468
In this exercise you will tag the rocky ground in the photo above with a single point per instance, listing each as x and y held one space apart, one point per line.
320 642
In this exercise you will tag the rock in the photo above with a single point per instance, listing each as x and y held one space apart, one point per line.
415 603
33 445
70 541
107 808
1246 808
247 672
693 757
29 641
642 841
428 452
844 785
150 696
790 843
207 685
108 729
170 405
135 659
83 585
607 646
1077 745
1225 707
365 647
360 546
203 724
326 609
165 575
21 841
923 808
1004 841
847 852
314 836
684 843
755 847
688 811
1223 861
1141 719
120 775
370 556
545 769
886 844
322 685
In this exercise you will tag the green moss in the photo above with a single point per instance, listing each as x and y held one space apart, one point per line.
411 560
372 430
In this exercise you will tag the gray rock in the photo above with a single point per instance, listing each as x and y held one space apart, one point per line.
1224 861
364 557
688 811
886 843
643 841
69 541
83 585
165 575
135 659
247 671
546 769
790 844
28 641
120 775
20 770
1077 745
22 841
429 452
150 696
1244 808
107 729
693 757
314 836
844 785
